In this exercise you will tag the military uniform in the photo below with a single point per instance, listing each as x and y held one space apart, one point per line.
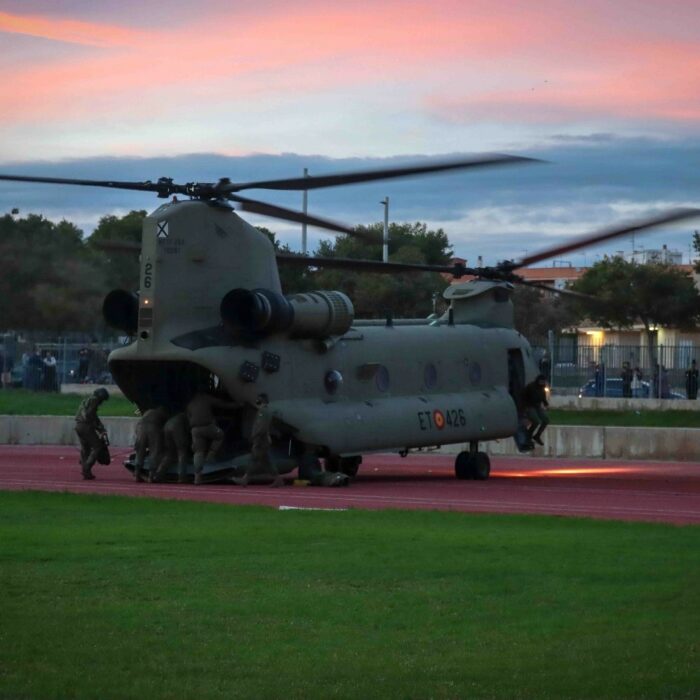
691 381
149 439
176 435
261 466
207 437
91 433
534 401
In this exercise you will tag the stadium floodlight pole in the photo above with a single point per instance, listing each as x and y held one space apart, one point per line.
304 207
385 246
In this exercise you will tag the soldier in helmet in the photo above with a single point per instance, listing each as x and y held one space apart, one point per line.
178 445
207 436
149 439
91 432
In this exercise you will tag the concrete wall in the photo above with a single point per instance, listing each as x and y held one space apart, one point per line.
664 444
59 430
586 403
675 444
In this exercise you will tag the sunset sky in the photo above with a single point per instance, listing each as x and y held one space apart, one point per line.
608 92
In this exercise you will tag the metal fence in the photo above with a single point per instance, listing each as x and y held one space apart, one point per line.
44 366
586 369
572 367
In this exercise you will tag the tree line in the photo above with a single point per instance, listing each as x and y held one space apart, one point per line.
55 278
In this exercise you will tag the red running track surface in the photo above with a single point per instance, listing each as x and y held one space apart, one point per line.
618 490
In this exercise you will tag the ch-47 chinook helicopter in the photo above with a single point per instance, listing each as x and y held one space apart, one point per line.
210 314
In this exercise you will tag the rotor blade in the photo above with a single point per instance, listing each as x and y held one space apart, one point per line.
605 235
163 185
313 182
370 265
554 290
253 205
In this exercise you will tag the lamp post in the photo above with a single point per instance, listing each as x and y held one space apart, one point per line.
385 246
304 206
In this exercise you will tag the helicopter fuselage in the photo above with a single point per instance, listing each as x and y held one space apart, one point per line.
335 385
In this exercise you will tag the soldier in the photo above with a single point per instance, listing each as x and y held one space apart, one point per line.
691 381
534 402
178 443
207 436
149 438
261 466
627 376
91 432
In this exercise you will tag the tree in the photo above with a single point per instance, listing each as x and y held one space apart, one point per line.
628 293
408 294
696 247
120 269
538 312
48 279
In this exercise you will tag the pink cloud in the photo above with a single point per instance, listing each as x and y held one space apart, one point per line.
66 30
642 81
304 48
598 60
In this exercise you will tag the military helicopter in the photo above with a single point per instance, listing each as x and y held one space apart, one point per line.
210 314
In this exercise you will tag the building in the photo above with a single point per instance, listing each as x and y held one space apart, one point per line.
589 344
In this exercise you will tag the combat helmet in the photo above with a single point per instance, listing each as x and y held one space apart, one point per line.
101 393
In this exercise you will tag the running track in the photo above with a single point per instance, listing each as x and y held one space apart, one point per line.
646 491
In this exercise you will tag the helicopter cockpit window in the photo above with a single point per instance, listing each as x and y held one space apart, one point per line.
381 378
430 376
333 381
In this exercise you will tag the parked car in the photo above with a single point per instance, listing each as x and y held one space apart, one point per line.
613 390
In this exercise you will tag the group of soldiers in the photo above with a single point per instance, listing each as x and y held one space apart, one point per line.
169 440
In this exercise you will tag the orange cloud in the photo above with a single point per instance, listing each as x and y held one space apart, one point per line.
297 50
463 61
66 30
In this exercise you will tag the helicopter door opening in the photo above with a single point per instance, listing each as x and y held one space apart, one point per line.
516 376
165 383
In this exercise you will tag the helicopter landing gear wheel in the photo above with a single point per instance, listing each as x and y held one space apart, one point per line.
345 465
472 465
481 466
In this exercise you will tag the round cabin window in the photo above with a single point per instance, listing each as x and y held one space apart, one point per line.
333 381
475 373
430 376
381 378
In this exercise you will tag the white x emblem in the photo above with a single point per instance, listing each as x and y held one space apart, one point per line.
162 229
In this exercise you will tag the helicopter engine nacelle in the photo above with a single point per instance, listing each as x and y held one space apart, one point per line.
120 310
309 315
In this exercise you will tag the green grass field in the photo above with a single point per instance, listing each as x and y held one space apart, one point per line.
22 402
27 403
106 597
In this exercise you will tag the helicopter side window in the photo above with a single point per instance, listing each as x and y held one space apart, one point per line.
333 381
381 378
475 373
